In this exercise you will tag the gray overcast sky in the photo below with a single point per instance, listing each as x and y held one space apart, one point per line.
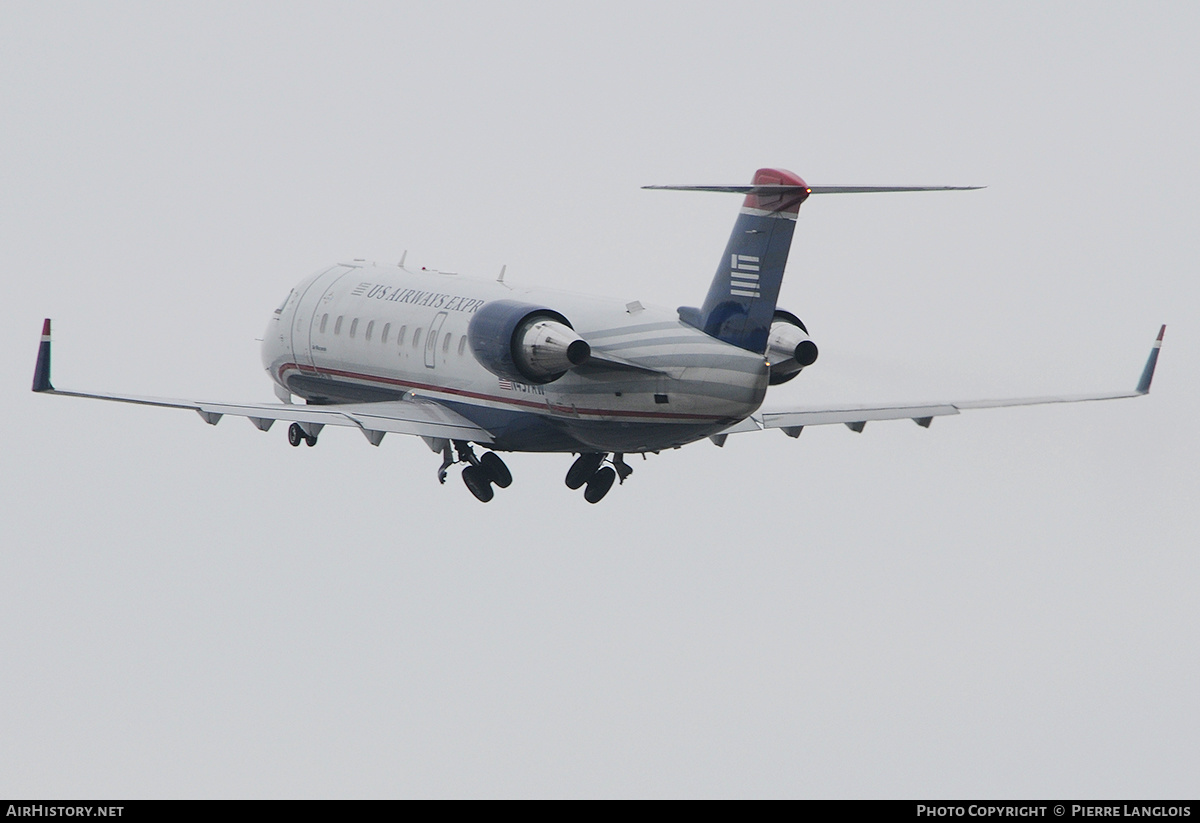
1004 605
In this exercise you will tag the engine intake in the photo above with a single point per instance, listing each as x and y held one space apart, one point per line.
524 342
789 348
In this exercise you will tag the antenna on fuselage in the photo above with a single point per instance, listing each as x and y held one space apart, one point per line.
403 257
503 269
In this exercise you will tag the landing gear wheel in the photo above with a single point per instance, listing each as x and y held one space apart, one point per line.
295 434
599 485
310 439
582 470
496 471
477 481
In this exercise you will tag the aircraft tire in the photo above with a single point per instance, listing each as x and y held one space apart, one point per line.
496 470
477 481
295 434
583 469
599 485
310 440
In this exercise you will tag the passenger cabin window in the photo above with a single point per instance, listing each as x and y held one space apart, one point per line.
417 338
324 322
462 345
387 327
400 335
446 343
337 325
353 326
370 328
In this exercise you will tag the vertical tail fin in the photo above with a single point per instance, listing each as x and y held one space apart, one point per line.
741 300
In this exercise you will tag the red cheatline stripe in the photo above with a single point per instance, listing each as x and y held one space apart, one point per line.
305 369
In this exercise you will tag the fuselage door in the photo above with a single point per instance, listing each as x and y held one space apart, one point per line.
308 316
431 342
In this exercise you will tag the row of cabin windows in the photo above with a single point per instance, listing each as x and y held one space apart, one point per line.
387 328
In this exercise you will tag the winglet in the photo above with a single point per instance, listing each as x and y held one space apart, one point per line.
41 372
1143 386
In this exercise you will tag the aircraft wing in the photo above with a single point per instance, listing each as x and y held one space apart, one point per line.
793 421
413 415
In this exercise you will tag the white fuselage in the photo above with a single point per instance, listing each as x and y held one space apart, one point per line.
360 333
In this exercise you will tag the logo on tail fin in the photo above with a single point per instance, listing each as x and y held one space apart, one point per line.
743 275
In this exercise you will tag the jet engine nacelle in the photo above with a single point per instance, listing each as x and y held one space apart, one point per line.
789 348
524 342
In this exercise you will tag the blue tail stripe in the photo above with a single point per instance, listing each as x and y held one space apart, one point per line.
741 300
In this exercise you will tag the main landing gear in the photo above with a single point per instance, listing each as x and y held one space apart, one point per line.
480 474
296 435
588 470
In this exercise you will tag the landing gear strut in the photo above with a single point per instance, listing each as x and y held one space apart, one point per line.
623 468
480 474
589 470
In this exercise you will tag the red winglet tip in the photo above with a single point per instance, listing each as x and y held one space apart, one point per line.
1160 332
46 327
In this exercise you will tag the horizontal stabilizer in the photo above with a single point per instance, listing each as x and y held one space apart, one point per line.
878 189
777 190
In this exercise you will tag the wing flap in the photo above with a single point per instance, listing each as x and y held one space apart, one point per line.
416 416
423 418
851 414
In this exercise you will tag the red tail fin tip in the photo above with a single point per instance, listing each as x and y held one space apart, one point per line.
788 202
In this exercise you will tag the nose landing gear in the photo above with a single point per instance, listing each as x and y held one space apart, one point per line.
587 471
297 435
